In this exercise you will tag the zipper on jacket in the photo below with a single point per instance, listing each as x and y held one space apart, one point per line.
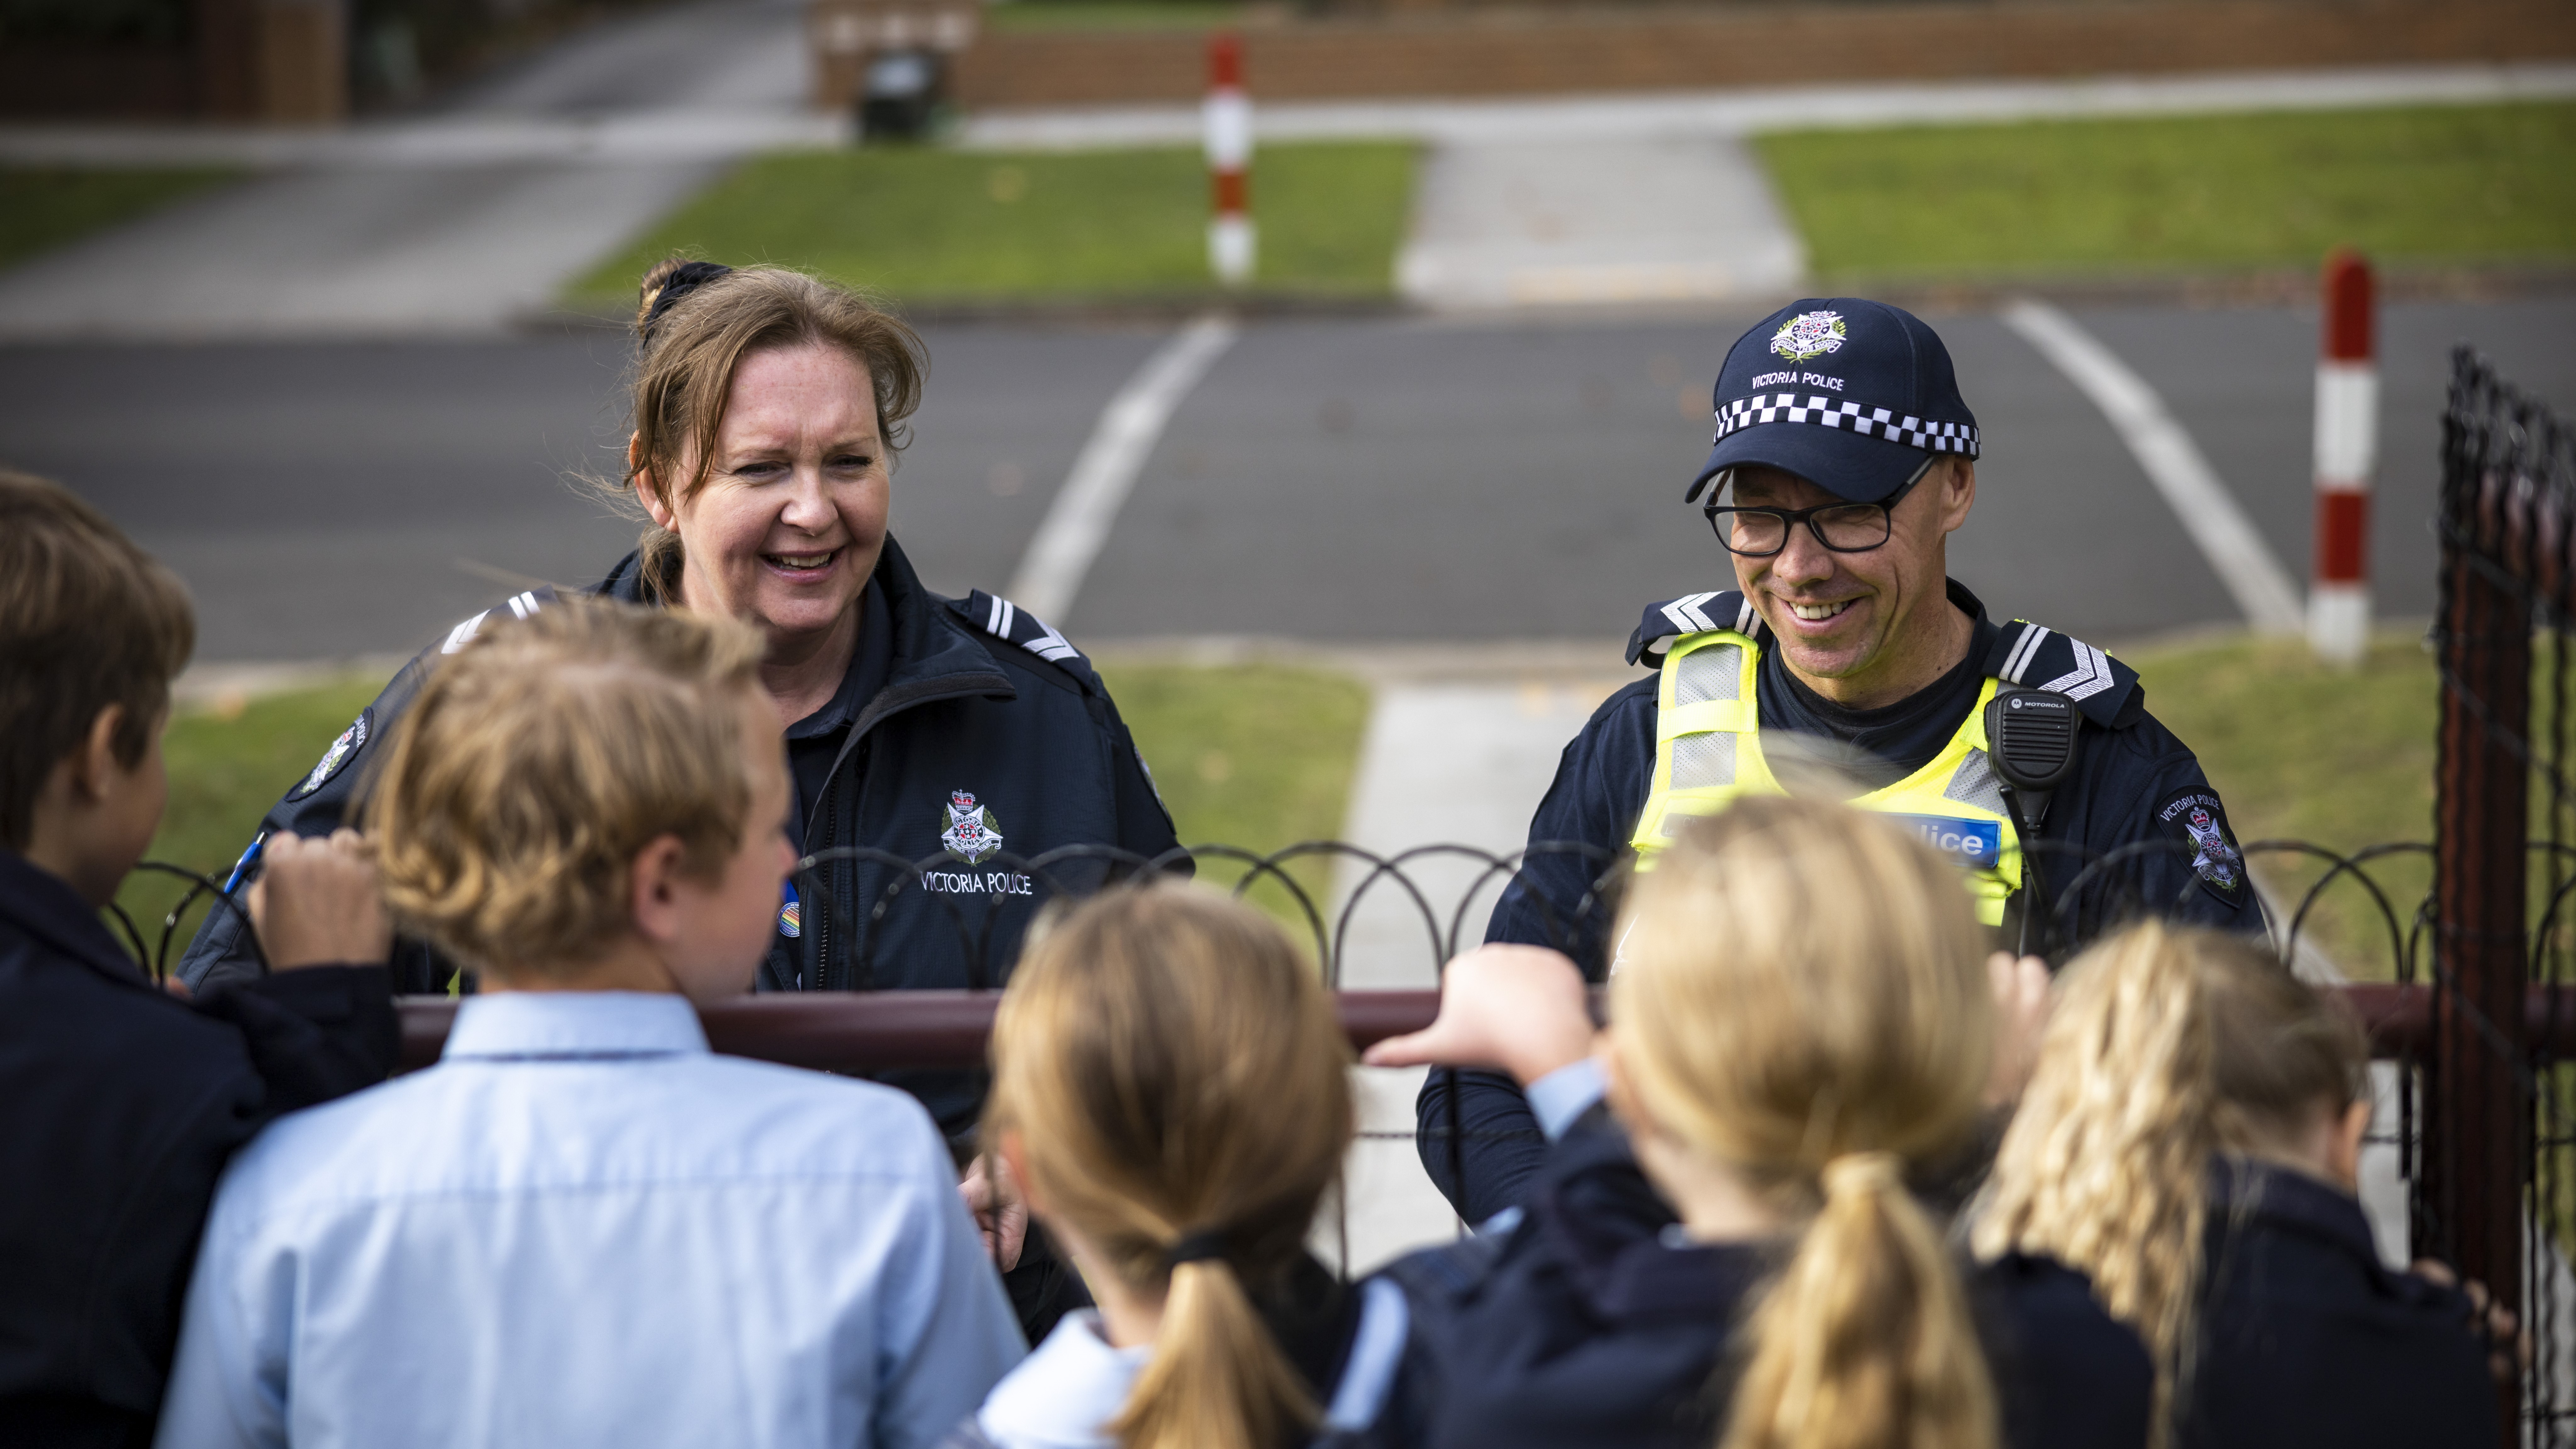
822 878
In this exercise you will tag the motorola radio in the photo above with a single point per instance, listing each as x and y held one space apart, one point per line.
2030 741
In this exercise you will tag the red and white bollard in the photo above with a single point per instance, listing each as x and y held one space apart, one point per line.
1228 117
2347 451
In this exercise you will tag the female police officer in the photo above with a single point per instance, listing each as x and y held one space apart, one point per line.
768 407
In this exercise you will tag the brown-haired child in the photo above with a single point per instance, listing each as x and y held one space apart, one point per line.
125 1101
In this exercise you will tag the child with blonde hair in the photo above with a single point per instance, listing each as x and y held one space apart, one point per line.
2192 1140
1171 1091
1803 1024
581 1227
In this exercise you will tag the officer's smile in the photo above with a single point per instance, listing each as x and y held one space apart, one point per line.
1818 613
800 567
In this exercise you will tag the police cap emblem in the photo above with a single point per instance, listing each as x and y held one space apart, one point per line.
1809 334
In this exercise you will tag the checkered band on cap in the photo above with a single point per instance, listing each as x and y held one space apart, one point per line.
1824 412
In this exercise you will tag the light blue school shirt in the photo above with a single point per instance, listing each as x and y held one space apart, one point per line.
581 1227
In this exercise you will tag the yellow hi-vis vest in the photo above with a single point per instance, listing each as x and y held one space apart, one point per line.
1708 751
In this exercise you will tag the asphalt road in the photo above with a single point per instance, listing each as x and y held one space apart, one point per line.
1332 479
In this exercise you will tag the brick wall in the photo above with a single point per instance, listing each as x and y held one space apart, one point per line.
96 82
1479 52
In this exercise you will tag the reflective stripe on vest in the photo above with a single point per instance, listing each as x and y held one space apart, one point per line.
1708 751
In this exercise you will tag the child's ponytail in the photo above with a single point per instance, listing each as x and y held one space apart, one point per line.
1217 1380
1865 1342
1179 1085
1811 1047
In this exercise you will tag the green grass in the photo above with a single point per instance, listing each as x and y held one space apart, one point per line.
1033 15
2428 185
2301 751
1255 755
227 766
42 208
927 225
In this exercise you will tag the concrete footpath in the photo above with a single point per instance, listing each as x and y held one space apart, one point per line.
1461 744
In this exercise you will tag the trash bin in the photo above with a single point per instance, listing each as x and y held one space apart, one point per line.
900 93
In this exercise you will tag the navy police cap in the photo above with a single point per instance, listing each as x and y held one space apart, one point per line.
1852 395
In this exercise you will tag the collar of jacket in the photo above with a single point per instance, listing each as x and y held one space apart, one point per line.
2245 1194
1608 1225
936 655
40 903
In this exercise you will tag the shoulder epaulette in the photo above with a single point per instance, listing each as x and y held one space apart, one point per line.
2037 657
1012 624
1693 614
520 607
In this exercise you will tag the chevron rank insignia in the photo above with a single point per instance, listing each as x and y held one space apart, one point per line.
1003 619
1692 614
2037 657
520 607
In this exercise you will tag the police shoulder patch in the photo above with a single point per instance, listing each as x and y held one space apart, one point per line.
1007 621
2194 819
1691 614
337 758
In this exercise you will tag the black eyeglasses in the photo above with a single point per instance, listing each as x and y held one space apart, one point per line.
1841 527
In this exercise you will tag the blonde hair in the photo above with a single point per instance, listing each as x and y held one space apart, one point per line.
1178 1081
539 760
687 358
2168 1044
1804 1000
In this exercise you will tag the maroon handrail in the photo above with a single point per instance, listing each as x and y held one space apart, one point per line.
877 1030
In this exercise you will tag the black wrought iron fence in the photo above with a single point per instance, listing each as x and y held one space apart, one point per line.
2494 1191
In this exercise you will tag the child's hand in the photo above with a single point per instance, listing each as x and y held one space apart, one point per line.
1520 1008
2508 1348
1001 1214
2022 1003
317 904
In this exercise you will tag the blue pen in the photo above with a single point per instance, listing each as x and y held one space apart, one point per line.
248 859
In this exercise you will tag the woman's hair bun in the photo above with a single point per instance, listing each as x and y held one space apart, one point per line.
666 282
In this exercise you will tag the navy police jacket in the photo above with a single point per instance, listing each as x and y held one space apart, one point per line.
124 1105
2305 1337
990 744
2137 802
1587 1323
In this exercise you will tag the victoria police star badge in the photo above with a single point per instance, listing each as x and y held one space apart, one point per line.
1809 334
972 832
351 740
2199 820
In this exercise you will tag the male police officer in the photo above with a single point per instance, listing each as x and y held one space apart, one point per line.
1844 459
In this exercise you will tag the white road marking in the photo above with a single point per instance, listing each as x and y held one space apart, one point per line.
1077 523
2209 513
